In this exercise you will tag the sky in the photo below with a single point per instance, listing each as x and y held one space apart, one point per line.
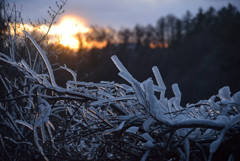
118 13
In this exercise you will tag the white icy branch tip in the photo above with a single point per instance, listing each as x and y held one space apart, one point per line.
42 53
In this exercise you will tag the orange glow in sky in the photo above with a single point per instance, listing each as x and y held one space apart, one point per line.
67 31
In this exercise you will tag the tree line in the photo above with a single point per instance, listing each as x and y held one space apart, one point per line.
170 30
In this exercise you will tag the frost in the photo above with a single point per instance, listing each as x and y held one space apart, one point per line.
176 90
74 74
222 118
214 145
44 112
51 124
25 124
235 119
44 136
236 98
144 157
69 110
149 145
147 123
112 100
126 76
118 64
132 129
224 93
208 132
213 104
139 93
149 91
147 137
120 126
158 78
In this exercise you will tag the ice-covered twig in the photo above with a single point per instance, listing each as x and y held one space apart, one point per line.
74 74
203 123
42 53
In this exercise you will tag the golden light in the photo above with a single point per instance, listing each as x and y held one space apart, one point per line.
67 31
158 45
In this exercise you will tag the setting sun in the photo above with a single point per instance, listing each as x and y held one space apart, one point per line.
67 31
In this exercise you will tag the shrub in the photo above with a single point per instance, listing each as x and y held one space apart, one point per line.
108 120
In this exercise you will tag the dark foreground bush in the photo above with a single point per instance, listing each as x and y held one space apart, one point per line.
107 120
